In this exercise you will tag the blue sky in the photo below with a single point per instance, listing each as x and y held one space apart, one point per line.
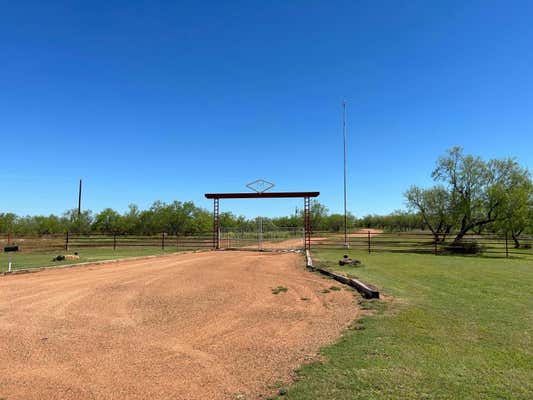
169 100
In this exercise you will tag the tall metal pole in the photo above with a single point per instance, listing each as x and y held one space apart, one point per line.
344 145
79 201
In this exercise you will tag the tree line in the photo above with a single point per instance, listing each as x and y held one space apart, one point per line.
469 195
173 218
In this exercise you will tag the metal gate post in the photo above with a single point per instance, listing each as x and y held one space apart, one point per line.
216 227
307 223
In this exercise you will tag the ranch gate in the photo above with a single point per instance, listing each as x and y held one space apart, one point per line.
263 195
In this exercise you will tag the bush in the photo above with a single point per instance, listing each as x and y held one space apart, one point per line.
470 247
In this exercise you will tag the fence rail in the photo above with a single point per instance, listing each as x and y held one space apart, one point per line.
72 242
420 242
369 241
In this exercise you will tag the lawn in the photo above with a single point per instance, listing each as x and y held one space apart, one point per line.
38 259
449 328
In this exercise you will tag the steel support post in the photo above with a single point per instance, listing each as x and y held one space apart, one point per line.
216 225
307 223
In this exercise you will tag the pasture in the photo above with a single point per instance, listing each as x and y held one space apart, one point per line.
450 327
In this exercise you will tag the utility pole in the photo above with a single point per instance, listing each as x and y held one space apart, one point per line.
346 245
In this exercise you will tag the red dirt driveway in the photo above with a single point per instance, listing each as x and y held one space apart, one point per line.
191 326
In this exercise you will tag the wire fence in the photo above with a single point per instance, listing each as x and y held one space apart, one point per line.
69 242
494 245
370 241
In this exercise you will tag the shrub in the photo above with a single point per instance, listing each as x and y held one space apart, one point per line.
470 247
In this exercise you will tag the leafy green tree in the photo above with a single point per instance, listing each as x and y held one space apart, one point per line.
130 221
50 224
7 222
335 222
517 214
435 207
80 224
478 190
319 214
107 221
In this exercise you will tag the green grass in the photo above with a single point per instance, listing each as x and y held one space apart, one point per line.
456 328
36 260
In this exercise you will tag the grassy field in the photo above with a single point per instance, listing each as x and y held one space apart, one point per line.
455 328
35 260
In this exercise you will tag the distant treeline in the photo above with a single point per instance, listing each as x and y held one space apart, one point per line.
173 218
470 195
186 218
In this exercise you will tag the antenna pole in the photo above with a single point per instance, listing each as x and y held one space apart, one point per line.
79 201
344 145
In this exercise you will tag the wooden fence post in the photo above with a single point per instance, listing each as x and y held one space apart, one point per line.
369 248
114 241
163 241
66 242
436 248
9 239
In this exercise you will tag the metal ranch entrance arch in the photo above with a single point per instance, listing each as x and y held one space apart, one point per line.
268 195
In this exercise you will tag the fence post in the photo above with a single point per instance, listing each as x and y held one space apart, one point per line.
506 245
66 242
436 248
369 248
163 241
114 241
9 239
177 242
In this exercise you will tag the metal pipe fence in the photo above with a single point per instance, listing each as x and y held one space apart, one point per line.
493 245
73 242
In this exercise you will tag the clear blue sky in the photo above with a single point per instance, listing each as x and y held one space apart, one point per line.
169 100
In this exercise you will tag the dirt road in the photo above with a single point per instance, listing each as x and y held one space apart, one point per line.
192 326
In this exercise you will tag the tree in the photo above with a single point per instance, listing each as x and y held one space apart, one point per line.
80 224
107 221
7 222
318 214
44 225
517 212
130 221
478 190
435 207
